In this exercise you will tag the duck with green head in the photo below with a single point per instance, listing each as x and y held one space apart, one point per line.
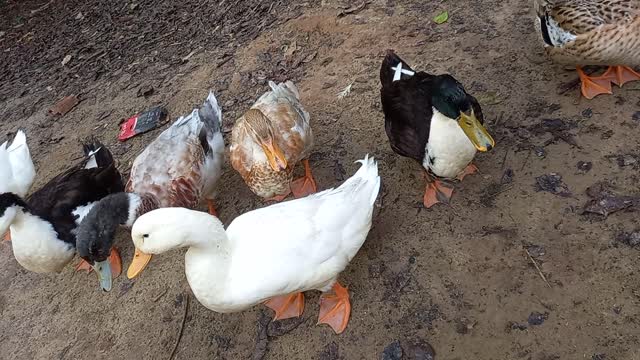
432 119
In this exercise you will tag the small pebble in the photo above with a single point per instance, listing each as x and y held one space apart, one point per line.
626 160
537 318
393 351
420 351
588 113
507 177
536 250
598 357
584 166
540 151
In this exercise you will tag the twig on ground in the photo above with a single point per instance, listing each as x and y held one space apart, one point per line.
535 263
184 320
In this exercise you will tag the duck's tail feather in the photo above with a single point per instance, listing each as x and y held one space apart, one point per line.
285 89
394 68
97 154
365 180
100 158
18 141
211 114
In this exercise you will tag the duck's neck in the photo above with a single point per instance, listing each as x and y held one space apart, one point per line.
124 208
208 260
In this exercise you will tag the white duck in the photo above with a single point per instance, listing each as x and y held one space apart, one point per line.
17 172
306 244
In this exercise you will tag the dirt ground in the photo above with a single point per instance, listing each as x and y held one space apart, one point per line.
505 272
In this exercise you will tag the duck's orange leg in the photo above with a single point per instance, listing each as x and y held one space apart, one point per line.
7 236
286 306
116 263
593 86
114 260
335 309
622 74
437 192
84 265
306 185
469 170
212 208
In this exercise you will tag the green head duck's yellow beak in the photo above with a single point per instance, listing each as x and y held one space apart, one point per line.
474 130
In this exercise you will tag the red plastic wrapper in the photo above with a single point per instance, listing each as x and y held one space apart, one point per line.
141 123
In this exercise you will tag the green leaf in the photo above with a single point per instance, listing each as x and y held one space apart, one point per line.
441 18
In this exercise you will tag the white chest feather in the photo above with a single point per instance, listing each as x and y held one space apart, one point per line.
36 245
448 150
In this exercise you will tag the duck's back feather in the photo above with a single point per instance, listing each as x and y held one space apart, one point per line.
407 108
79 186
591 32
313 238
182 165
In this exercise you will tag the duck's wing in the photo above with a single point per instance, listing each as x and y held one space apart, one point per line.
304 243
407 109
183 163
60 201
582 16
212 143
591 31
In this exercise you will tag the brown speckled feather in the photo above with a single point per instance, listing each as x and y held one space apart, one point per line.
607 32
291 131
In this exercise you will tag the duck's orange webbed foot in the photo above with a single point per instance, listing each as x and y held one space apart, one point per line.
469 170
7 236
84 265
116 263
335 309
114 260
286 306
622 74
593 86
212 208
437 192
278 198
306 185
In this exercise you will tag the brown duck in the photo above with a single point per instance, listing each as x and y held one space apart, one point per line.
269 140
593 32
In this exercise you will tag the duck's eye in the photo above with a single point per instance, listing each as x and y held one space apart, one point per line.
145 236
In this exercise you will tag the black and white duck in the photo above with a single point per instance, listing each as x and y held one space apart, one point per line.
432 119
43 226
